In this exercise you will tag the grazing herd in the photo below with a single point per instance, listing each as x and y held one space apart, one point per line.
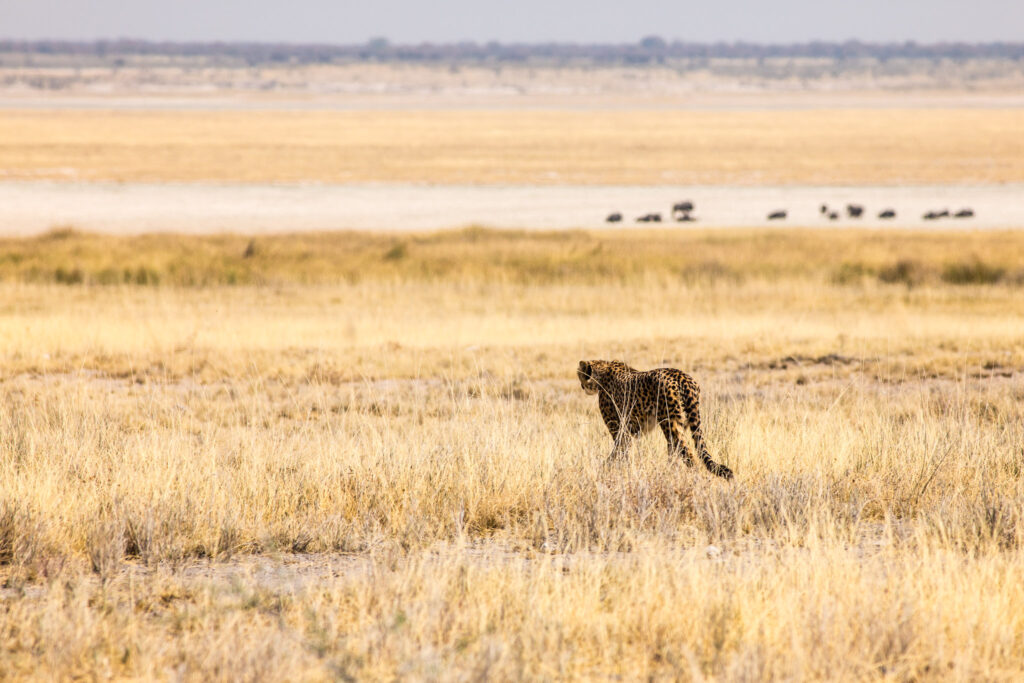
962 213
682 212
854 211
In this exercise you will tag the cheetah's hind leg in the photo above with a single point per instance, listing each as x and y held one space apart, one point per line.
676 446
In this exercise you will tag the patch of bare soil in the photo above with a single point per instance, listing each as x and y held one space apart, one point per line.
28 207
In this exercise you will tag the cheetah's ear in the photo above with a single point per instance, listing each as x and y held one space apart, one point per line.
585 368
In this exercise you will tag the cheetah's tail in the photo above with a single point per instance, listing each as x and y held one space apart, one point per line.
693 415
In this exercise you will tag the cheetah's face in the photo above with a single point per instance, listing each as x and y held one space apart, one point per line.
587 380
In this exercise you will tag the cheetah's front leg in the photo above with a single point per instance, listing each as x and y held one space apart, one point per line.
621 438
620 448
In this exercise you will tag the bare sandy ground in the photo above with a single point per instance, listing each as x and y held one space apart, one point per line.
197 82
33 207
753 99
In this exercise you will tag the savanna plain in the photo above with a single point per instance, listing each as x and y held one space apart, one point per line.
367 456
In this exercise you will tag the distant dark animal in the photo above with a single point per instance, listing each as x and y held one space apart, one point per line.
964 213
888 213
932 215
854 210
833 215
649 218
685 218
613 218
682 206
776 215
824 208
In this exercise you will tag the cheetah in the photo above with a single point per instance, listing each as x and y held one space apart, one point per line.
641 400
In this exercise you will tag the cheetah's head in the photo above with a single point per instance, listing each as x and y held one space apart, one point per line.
594 374
586 374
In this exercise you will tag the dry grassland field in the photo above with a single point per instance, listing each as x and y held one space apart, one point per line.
247 450
366 456
637 147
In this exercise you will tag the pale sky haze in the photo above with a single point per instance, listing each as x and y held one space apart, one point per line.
414 21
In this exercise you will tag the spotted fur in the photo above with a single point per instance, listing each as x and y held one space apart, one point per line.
633 402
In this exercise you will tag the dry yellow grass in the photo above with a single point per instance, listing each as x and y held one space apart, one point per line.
475 255
852 146
397 476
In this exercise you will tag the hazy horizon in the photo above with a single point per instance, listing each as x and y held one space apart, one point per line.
532 21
